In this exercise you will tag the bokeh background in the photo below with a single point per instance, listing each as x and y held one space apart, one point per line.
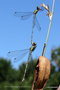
15 34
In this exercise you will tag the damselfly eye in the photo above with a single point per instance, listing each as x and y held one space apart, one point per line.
33 43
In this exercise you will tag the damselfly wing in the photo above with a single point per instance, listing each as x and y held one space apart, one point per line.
17 54
26 15
23 15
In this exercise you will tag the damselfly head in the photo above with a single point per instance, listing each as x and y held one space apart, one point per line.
38 8
33 44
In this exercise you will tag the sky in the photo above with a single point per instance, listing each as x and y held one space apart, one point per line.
15 34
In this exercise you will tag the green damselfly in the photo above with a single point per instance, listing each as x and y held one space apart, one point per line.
19 54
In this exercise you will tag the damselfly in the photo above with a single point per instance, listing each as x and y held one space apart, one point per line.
19 54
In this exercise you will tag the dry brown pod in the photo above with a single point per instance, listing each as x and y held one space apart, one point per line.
42 73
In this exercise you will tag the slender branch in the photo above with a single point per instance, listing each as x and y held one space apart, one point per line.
49 29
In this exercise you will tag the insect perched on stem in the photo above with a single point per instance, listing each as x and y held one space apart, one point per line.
49 13
19 54
26 15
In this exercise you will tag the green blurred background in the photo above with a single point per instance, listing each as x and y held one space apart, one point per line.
10 78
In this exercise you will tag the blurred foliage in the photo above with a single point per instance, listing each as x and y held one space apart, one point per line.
11 79
55 57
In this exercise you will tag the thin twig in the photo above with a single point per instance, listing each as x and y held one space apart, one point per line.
49 29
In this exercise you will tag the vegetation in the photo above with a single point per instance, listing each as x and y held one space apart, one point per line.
10 78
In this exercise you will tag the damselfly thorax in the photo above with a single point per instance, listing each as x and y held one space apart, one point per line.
36 11
32 48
